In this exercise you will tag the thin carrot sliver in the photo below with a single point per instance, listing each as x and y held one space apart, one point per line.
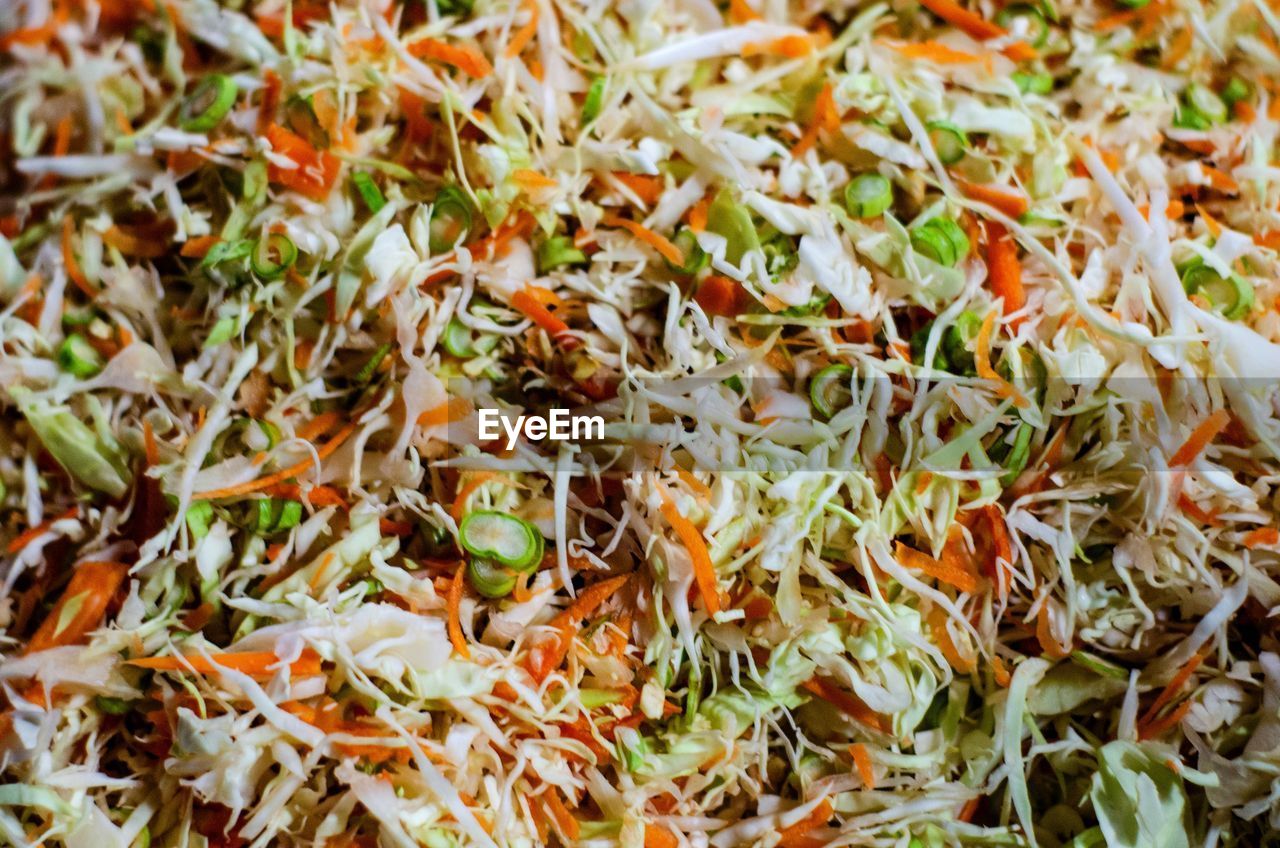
1009 201
525 33
797 835
27 536
964 580
1003 268
934 51
456 585
982 361
322 453
740 12
1201 437
825 116
848 703
657 836
1159 726
937 620
459 507
253 663
862 762
664 247
463 57
564 819
647 187
95 583
1170 691
704 572
71 263
961 18
1262 536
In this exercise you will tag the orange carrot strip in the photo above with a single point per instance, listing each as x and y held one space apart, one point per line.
657 836
456 586
1020 51
1262 537
937 620
565 821
825 116
962 579
1003 268
90 590
317 169
465 58
253 663
1009 201
525 33
961 18
530 180
459 507
848 703
198 247
324 452
1220 180
546 657
134 245
797 835
318 426
933 51
30 534
72 264
741 13
451 410
982 361
1044 635
698 216
862 762
1160 726
647 187
1201 437
668 250
718 295
1210 223
1170 691
529 304
704 572
788 46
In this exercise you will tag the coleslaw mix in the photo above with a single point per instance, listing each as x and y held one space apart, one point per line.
937 350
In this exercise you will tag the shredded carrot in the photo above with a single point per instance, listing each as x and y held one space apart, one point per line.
1180 47
28 536
454 409
456 586
961 18
548 656
740 12
647 187
704 572
565 821
1210 223
253 663
848 703
862 762
69 259
657 836
531 180
947 571
1220 180
933 51
478 479
1000 673
797 835
1201 437
825 116
982 361
668 250
529 304
1192 509
1021 51
1244 111
1044 635
198 247
937 619
1003 268
318 426
317 169
1170 691
322 453
132 244
718 295
970 808
82 605
526 32
1262 537
698 215
61 146
1161 725
465 58
1009 201
699 488
788 46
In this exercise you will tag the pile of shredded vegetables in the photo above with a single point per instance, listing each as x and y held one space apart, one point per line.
937 350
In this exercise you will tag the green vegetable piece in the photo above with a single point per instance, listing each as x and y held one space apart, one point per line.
273 256
208 104
1205 102
955 343
941 240
199 517
868 195
594 100
1033 83
829 389
504 538
1025 22
459 341
78 357
949 141
450 219
1235 91
780 256
489 578
695 258
1016 460
369 191
290 515
731 220
1232 295
366 372
300 115
74 446
266 515
1138 799
111 706
558 251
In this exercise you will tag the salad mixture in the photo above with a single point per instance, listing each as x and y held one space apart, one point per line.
936 346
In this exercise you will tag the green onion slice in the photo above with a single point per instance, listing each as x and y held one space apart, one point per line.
948 140
829 389
369 191
300 115
730 219
1037 83
1025 22
502 537
1235 91
111 706
557 252
273 255
1232 295
594 101
208 104
366 372
695 258
1203 100
1016 462
290 516
868 195
459 341
450 219
78 357
941 240
489 578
